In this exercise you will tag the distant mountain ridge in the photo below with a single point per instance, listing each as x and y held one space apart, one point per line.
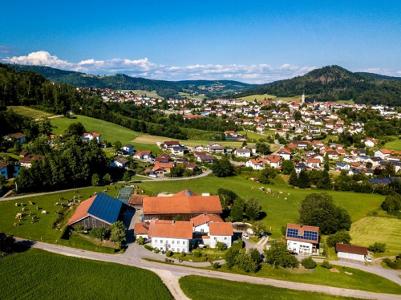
211 88
329 83
333 83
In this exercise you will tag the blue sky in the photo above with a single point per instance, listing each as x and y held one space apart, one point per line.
254 41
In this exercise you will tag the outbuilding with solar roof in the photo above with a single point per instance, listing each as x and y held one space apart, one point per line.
100 210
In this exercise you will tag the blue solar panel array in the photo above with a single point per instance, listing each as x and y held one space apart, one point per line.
105 208
308 235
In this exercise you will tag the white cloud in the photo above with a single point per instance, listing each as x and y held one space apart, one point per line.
143 67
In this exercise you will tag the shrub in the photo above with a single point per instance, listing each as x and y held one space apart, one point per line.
148 247
278 256
216 265
245 262
140 240
338 237
392 204
221 246
325 264
183 254
100 233
118 234
377 247
169 253
196 253
393 264
308 263
156 250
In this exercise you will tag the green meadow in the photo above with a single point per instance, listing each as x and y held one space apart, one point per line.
281 204
217 289
37 274
43 229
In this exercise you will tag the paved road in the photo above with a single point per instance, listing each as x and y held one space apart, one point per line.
204 174
170 273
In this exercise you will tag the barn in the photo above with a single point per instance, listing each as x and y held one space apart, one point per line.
100 210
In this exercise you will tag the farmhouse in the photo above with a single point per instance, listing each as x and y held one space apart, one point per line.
90 136
100 210
175 236
220 232
352 252
201 222
302 239
184 204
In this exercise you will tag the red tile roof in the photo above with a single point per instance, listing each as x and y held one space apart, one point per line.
171 229
136 199
205 218
221 228
141 228
351 249
81 211
183 202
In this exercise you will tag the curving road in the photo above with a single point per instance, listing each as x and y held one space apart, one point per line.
204 174
170 274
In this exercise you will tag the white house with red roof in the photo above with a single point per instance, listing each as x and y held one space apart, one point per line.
302 239
201 222
220 232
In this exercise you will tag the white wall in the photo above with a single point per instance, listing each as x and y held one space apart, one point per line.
201 228
299 247
352 256
218 238
172 244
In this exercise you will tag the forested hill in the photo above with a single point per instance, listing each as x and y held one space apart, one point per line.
211 88
336 83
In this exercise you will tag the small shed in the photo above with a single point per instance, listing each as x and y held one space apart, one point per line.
346 251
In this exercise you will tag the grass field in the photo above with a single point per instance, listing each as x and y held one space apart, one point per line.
258 97
110 132
153 139
281 205
36 274
394 145
217 289
343 278
151 94
43 229
386 230
30 112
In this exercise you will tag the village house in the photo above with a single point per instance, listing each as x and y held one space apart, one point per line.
302 239
90 136
161 169
284 153
128 149
145 155
203 157
17 137
243 153
201 222
274 161
27 160
220 232
120 162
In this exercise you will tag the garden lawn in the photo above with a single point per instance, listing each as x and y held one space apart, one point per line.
195 288
281 205
386 230
394 145
30 112
43 229
37 274
355 279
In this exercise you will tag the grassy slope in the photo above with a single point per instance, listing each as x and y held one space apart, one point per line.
279 210
152 139
195 287
355 279
42 230
30 112
394 145
37 274
378 229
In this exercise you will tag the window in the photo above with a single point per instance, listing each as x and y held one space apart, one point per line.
225 238
173 242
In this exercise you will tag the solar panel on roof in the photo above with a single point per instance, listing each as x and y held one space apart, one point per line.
308 235
106 208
